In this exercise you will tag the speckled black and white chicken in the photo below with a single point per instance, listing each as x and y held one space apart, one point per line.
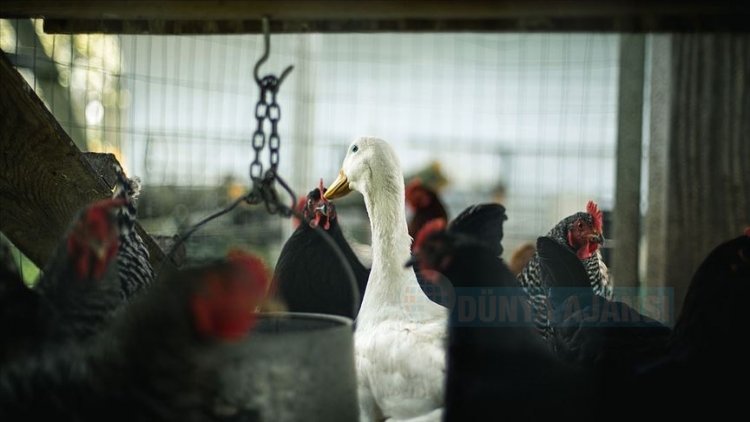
99 265
80 288
582 234
591 330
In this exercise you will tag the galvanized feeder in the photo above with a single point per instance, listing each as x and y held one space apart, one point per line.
295 367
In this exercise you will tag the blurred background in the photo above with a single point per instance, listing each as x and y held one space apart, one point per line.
528 120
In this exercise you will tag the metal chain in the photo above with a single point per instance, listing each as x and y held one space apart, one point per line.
267 109
263 189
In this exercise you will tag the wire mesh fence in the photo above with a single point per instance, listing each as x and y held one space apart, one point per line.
527 117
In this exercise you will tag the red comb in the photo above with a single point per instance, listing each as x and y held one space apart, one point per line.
596 214
432 226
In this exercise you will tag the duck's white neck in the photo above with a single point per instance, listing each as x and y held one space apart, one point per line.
390 235
391 285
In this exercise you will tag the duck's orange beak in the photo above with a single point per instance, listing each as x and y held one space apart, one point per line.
339 187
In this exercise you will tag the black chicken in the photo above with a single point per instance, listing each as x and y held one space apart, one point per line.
693 369
713 312
308 275
483 222
707 357
498 366
162 360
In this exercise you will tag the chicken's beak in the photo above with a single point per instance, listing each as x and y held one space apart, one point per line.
339 188
100 250
597 237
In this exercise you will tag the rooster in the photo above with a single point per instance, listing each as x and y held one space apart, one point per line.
301 278
582 234
162 360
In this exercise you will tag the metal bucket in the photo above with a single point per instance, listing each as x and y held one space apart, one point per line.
295 367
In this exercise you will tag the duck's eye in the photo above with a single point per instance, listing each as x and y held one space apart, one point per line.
355 148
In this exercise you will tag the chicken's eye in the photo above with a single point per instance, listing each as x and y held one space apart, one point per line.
355 148
580 225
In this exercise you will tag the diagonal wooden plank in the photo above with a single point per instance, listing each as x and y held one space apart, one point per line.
44 178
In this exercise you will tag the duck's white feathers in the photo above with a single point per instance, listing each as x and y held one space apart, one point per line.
400 337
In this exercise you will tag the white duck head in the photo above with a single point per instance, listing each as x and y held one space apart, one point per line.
372 168
370 165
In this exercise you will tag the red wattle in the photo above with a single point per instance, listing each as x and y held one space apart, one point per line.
584 252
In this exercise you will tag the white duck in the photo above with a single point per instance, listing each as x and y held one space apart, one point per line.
400 336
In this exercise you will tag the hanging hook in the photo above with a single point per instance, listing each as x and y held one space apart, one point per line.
266 26
266 47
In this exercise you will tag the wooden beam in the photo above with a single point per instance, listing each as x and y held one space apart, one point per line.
44 177
238 16
627 212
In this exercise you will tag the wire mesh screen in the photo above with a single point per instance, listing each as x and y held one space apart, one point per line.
527 119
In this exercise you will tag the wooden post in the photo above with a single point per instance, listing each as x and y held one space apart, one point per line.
700 176
658 159
627 212
44 177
